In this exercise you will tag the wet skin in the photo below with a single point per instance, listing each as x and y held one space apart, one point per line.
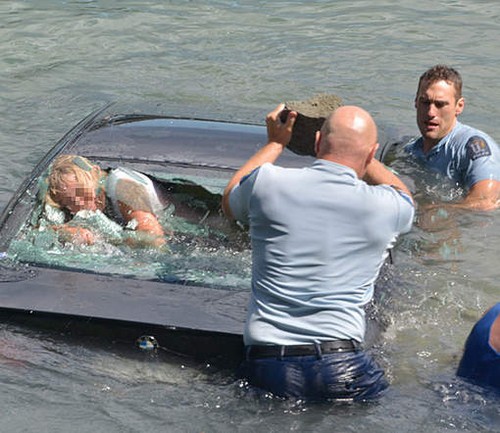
437 111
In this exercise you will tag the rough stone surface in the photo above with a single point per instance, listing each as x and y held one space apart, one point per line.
311 115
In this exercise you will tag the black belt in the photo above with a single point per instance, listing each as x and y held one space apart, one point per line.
271 351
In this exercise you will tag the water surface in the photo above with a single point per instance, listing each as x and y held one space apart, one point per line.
60 60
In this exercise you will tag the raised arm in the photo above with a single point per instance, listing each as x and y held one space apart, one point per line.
378 174
279 135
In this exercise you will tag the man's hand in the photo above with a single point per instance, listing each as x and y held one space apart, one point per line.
279 135
277 131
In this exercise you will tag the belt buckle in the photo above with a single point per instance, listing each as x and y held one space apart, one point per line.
339 346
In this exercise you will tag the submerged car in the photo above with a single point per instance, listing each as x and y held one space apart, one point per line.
189 296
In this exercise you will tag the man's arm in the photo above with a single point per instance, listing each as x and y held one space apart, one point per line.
495 334
279 135
378 174
483 195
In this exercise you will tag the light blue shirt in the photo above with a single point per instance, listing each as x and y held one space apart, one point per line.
466 155
319 237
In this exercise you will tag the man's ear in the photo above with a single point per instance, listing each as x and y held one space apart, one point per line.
371 155
317 141
460 106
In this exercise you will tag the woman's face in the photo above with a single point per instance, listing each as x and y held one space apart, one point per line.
75 196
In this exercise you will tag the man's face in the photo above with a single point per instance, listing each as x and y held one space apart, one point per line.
437 110
75 196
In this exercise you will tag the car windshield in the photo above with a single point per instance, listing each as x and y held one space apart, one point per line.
203 248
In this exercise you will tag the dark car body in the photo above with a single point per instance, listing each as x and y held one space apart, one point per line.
203 321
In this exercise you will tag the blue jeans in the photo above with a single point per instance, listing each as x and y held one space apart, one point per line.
352 376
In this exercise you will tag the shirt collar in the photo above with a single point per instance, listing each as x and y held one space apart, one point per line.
333 167
419 144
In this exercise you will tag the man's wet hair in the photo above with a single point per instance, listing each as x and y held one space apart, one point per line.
442 73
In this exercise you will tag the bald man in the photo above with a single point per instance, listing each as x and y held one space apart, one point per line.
319 237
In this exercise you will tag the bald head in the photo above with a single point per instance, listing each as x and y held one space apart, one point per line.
349 137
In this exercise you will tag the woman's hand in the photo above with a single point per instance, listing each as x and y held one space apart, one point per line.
75 235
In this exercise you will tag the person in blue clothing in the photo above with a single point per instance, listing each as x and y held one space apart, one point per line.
319 237
480 362
464 154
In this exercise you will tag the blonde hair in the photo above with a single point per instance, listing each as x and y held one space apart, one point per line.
86 173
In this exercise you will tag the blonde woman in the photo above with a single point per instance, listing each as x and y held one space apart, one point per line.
126 196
